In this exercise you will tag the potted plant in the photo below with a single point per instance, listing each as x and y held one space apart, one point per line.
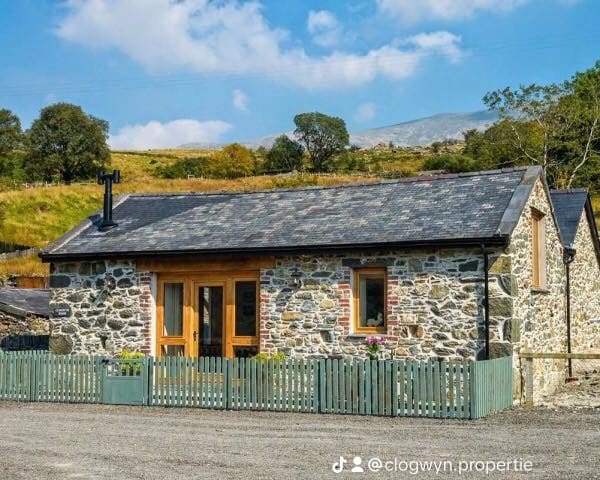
373 346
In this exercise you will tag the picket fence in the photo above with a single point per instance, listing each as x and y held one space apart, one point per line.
441 389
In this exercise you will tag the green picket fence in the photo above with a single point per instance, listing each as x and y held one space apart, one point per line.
491 388
444 389
239 384
27 376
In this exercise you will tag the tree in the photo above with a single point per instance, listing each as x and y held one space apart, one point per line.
10 132
581 109
285 154
322 136
556 126
67 142
233 161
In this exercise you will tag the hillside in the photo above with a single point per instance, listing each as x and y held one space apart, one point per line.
35 216
422 131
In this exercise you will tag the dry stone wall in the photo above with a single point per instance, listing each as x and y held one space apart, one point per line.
585 298
98 308
435 305
13 325
539 314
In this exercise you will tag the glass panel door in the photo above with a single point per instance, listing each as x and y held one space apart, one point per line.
210 310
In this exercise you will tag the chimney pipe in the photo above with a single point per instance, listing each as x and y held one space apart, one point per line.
107 179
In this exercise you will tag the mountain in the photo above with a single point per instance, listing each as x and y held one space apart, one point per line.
422 131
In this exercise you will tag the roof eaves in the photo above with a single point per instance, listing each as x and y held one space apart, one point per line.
591 220
448 243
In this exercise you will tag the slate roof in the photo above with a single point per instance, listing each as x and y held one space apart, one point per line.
450 209
25 301
568 206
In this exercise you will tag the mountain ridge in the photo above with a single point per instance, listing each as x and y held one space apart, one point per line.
418 132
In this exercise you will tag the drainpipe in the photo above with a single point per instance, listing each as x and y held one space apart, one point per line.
486 299
568 257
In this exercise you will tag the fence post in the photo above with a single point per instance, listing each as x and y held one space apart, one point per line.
474 377
148 368
529 382
228 384
32 379
321 391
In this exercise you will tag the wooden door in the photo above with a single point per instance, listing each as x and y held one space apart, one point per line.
208 314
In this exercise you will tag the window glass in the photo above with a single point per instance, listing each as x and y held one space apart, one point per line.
371 301
172 350
245 309
173 310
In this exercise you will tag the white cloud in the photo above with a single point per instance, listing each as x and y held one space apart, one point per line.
366 111
324 28
231 38
413 10
444 42
239 100
170 134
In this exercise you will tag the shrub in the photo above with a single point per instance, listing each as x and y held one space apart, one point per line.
452 163
184 167
269 356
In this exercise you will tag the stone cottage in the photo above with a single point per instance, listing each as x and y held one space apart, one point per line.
451 266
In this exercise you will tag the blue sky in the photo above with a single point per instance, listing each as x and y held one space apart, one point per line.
166 72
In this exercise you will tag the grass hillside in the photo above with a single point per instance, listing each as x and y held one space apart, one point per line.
35 216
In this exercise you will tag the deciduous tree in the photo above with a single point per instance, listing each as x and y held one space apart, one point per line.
322 136
66 142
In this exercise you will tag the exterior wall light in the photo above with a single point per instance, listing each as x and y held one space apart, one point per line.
110 282
296 275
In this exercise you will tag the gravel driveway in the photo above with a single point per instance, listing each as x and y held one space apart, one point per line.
56 441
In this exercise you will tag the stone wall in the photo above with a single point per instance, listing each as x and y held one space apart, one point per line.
539 313
435 305
585 298
107 304
11 325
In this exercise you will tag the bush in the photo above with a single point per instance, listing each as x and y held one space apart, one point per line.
233 161
130 368
285 155
452 163
266 356
184 167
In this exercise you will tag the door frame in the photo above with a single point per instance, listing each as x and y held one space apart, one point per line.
191 281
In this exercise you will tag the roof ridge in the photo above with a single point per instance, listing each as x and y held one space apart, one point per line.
415 179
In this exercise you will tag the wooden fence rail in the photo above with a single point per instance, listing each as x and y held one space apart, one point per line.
444 389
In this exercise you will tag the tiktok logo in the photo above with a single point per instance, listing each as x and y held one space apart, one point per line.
338 467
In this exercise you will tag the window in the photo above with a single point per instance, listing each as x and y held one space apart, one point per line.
173 310
245 309
538 249
370 300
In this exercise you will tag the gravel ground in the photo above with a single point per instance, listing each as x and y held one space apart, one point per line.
584 392
58 441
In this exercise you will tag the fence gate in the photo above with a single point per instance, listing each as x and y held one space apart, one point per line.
125 382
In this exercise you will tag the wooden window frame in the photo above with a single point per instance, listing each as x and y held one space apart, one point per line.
538 249
372 272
